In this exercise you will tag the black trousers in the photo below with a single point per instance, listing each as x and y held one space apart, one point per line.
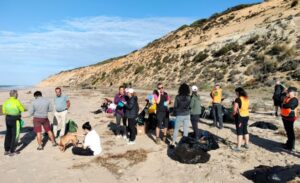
289 129
82 152
152 122
11 132
119 127
132 128
195 121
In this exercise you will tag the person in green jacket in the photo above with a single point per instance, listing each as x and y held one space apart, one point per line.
195 106
12 108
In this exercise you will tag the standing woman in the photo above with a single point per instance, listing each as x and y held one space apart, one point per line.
241 114
289 114
182 111
195 110
131 113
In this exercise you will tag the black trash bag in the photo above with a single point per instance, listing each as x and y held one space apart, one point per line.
264 125
188 151
227 115
140 120
210 141
97 111
276 174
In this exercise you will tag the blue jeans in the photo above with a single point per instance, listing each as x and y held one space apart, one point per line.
186 122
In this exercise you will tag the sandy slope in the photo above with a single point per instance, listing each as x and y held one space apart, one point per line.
51 165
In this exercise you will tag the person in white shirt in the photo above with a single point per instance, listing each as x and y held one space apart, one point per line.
92 143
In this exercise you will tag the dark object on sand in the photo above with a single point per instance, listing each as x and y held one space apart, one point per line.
264 125
276 174
227 114
140 120
98 111
191 151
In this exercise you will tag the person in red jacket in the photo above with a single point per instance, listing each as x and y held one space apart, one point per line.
289 114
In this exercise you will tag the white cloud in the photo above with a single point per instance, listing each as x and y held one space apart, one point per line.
78 42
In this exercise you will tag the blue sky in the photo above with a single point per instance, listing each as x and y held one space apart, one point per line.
40 38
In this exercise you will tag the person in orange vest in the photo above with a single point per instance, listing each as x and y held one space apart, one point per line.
289 114
241 115
216 95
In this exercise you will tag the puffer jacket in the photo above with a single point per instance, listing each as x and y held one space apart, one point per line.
132 108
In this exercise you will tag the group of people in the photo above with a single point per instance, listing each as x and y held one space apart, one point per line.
187 109
39 110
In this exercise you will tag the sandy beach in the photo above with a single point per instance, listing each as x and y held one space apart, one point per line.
143 162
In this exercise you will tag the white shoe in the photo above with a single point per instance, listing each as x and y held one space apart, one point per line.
131 143
124 137
118 136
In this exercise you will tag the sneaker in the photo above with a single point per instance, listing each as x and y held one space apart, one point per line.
236 149
131 143
6 153
118 136
40 148
13 153
246 146
157 141
124 137
54 144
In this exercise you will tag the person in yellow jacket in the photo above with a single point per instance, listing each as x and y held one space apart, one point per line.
241 114
216 95
12 108
289 114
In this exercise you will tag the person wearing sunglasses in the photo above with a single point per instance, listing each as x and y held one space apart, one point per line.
162 101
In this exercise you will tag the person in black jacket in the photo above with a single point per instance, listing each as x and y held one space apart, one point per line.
278 95
182 111
289 114
131 113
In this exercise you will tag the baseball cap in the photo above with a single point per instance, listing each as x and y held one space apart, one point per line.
130 90
292 89
194 88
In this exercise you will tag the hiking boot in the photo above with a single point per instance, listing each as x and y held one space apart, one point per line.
40 147
6 153
246 146
157 141
236 149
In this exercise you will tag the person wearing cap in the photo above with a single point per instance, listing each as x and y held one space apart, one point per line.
12 108
277 96
289 114
195 107
216 95
131 113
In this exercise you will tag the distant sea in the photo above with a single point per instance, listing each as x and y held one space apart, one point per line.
12 87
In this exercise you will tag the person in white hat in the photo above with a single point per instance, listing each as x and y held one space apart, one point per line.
131 113
195 107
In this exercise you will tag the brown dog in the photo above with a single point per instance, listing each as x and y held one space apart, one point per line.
70 138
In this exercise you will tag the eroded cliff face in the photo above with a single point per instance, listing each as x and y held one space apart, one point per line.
246 45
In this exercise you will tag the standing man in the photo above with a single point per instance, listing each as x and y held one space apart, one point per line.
62 104
12 108
39 110
162 101
277 96
289 113
216 96
119 101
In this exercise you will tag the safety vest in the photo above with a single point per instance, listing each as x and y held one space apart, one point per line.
244 110
12 107
288 112
217 96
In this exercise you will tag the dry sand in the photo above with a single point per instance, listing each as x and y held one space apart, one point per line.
142 162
